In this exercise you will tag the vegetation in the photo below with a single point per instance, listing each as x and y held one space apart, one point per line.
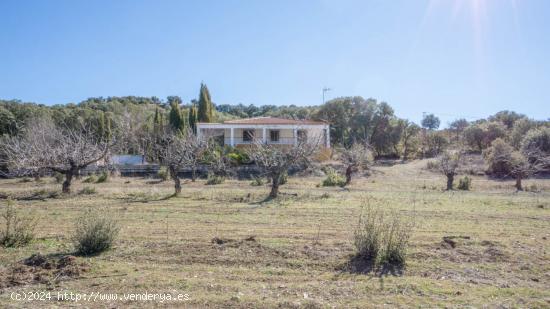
333 178
214 179
205 112
304 234
94 233
448 164
382 237
17 229
308 236
465 183
276 161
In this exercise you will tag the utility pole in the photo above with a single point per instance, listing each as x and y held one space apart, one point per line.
325 89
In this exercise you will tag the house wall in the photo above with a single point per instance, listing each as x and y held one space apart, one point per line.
286 134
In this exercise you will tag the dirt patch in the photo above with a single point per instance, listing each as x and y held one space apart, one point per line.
461 249
453 241
358 264
42 269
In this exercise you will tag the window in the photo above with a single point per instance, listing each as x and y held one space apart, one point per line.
302 136
274 135
248 135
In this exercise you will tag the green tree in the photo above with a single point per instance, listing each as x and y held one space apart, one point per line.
175 117
430 122
193 114
8 123
206 108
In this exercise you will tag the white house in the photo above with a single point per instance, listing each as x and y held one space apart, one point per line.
267 129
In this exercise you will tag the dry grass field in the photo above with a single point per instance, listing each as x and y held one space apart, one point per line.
292 252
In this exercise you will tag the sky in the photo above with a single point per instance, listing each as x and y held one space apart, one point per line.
454 58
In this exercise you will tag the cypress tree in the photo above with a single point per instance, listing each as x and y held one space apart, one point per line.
157 122
175 117
193 118
206 109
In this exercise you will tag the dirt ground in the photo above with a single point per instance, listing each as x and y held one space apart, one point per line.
223 247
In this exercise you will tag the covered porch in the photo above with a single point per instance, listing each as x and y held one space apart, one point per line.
245 134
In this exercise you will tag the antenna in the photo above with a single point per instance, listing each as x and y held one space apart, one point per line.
325 89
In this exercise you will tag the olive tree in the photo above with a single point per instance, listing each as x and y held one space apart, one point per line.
44 146
275 160
448 163
503 160
355 158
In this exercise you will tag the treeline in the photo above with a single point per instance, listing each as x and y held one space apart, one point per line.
132 119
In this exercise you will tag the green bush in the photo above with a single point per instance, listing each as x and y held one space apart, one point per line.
381 238
87 191
103 177
237 156
17 230
163 173
90 179
333 178
214 179
94 233
465 183
58 177
257 181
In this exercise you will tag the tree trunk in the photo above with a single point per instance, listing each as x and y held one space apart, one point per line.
67 182
193 174
519 187
275 186
349 172
450 179
177 183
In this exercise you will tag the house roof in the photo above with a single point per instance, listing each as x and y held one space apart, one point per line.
272 120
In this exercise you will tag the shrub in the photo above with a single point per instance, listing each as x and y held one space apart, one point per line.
368 235
17 230
163 173
499 158
333 178
257 181
103 177
214 179
432 165
536 143
58 177
90 179
87 191
238 157
382 237
465 183
284 178
94 233
396 233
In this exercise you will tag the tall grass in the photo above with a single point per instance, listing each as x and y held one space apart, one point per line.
382 236
17 229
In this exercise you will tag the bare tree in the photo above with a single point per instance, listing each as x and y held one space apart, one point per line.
448 164
275 160
355 158
179 151
43 146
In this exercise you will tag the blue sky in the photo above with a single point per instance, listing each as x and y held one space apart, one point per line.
455 58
